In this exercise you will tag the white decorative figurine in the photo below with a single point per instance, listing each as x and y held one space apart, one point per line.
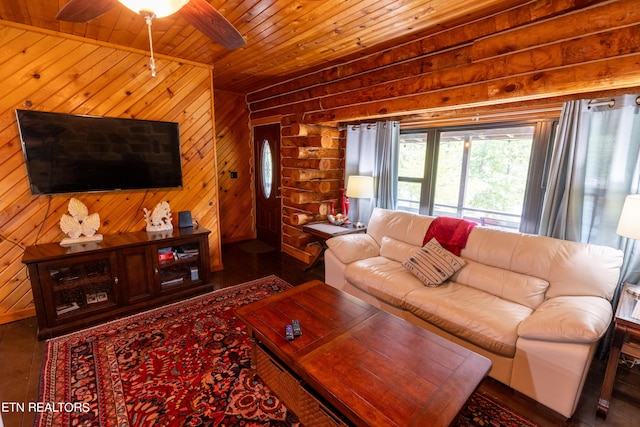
79 225
159 219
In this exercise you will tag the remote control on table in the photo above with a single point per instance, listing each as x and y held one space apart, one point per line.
296 328
288 333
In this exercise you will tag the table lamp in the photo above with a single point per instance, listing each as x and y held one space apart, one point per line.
629 226
629 223
360 187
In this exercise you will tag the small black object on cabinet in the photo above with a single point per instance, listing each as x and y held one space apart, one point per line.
184 219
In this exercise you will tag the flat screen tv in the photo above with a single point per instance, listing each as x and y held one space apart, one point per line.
68 153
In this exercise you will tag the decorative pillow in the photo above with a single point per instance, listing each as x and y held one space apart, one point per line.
433 264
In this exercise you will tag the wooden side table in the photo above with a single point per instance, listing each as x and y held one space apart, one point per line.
626 340
323 231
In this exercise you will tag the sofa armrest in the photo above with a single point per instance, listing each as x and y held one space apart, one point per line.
353 247
578 319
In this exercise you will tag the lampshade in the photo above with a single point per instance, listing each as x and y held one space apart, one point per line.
360 187
629 223
160 8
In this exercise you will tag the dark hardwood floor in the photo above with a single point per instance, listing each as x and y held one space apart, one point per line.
21 355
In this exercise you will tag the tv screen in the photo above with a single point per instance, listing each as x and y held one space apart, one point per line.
68 153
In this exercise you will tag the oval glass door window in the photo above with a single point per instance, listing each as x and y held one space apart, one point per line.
267 169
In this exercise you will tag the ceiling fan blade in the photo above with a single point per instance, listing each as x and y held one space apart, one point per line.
84 10
209 21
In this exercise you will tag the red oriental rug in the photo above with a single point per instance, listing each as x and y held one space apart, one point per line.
185 364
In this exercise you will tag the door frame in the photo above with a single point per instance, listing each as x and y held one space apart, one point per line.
268 211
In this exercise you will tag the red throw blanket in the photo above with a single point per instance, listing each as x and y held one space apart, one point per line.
450 232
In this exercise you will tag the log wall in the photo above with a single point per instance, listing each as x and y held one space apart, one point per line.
234 151
45 71
532 56
312 162
541 50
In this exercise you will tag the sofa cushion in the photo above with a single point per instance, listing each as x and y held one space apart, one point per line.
574 270
579 319
352 247
571 268
470 314
396 250
404 226
433 264
383 278
506 284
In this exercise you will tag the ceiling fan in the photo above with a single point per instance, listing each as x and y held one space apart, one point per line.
198 13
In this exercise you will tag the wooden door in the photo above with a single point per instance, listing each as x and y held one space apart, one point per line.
137 277
266 145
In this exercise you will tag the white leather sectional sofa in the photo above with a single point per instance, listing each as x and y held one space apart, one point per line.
536 306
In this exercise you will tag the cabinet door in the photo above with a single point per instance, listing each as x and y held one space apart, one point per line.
79 287
179 265
137 276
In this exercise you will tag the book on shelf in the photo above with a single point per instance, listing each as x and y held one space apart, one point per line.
186 255
66 308
172 281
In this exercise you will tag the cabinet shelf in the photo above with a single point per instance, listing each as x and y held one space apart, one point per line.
83 310
82 285
71 284
179 261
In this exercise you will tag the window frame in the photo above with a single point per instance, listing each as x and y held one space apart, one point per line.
544 131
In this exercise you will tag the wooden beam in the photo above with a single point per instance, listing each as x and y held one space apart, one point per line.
518 55
431 41
611 74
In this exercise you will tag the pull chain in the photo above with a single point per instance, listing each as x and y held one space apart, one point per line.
152 63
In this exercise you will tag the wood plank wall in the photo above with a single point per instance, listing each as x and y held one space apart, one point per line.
234 150
44 71
535 55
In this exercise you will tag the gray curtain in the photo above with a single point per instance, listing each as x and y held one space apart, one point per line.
558 220
386 164
594 166
360 160
372 150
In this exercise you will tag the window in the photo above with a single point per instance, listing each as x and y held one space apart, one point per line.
411 170
267 169
493 175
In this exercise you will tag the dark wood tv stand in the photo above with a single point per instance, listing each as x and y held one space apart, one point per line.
88 283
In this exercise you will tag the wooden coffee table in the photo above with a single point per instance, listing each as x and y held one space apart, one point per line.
356 363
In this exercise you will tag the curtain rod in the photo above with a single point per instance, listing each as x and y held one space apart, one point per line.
609 102
368 125
593 103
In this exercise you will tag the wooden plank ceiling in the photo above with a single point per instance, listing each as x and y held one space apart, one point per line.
285 38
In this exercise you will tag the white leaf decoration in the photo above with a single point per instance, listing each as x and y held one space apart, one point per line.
77 209
91 224
78 225
70 226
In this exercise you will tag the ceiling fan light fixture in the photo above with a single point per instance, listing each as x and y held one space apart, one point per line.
158 8
151 9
